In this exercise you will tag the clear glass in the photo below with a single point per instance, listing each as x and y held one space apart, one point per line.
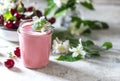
34 46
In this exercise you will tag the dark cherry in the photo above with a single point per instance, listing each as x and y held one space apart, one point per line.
22 16
1 20
16 24
17 15
8 25
38 13
52 20
30 9
12 11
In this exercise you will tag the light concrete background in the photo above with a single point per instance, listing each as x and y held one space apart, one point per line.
103 68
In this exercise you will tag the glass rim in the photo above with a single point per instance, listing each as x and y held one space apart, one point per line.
19 30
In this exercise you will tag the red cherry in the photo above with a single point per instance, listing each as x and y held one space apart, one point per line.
30 9
22 16
52 20
17 52
8 24
12 11
16 24
1 19
38 13
9 63
17 15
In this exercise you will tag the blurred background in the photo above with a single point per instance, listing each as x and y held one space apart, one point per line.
105 10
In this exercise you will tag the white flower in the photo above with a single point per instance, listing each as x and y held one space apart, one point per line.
88 1
60 47
37 19
6 4
78 50
28 13
77 31
59 2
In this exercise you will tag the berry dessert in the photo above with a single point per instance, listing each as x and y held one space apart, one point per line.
35 42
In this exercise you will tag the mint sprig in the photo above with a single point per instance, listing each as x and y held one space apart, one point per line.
41 24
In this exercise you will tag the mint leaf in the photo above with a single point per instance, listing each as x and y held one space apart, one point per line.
8 16
69 58
36 26
107 45
87 5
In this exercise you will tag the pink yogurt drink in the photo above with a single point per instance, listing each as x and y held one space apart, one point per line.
34 46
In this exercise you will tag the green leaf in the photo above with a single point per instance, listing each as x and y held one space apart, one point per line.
88 43
105 25
96 25
60 11
107 45
58 14
87 5
94 53
87 32
69 58
8 16
77 20
20 7
37 26
51 5
71 3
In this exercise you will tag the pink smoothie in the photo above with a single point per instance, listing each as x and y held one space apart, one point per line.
34 46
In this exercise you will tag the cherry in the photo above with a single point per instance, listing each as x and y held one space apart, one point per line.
17 15
17 51
38 13
22 16
12 11
9 63
52 20
8 24
16 24
1 19
30 9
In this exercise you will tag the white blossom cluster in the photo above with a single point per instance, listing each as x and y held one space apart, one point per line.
6 4
63 47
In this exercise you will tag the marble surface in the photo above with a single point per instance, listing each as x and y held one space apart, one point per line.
103 68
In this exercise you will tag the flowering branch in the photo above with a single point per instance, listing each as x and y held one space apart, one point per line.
75 21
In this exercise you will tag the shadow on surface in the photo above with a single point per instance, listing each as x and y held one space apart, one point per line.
57 69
